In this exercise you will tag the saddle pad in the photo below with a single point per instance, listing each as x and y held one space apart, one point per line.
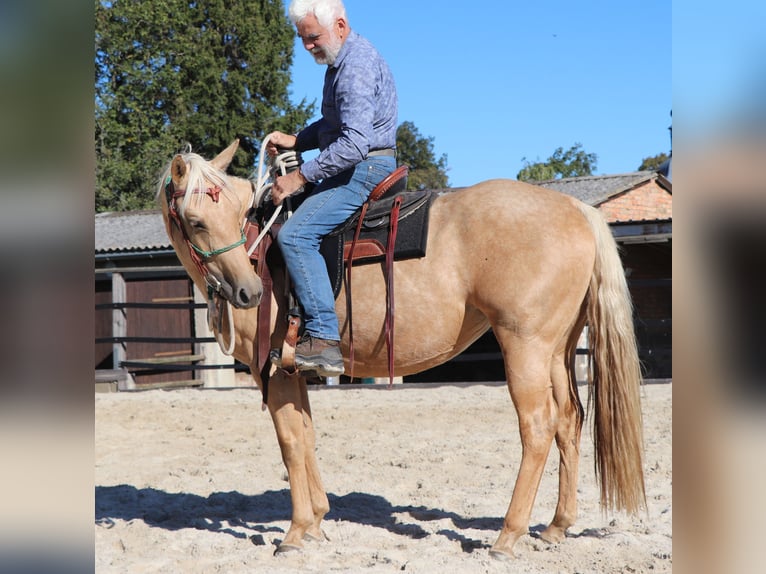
411 237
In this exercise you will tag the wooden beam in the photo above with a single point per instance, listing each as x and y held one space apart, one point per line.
119 319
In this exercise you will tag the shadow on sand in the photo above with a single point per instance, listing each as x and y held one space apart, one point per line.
232 512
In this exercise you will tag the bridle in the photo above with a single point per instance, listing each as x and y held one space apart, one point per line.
198 255
215 303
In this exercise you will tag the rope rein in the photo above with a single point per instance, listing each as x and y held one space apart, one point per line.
282 163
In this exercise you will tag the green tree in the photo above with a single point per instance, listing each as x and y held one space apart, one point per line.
416 151
174 71
571 163
653 163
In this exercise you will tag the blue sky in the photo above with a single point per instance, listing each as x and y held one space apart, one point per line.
493 82
719 65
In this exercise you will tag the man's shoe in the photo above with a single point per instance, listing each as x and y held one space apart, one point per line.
319 355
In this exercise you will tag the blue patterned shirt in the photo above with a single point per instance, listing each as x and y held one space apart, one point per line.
359 111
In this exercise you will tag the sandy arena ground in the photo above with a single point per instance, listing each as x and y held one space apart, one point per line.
191 481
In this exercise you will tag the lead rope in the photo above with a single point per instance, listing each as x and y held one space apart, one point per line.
283 163
215 308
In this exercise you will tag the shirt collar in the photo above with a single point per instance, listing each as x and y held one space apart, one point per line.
350 40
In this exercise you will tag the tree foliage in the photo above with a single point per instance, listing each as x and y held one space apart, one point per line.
653 163
571 163
417 151
170 72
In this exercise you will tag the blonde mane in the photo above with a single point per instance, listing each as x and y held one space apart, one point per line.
201 175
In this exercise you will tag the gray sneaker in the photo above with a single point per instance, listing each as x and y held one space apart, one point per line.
319 355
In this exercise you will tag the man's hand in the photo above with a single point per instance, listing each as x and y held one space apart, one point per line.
279 140
287 185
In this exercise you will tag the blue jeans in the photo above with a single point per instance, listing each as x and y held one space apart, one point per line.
331 203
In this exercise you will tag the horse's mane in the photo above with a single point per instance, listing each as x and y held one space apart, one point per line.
200 172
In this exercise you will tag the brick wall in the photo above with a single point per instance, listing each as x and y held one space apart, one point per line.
647 202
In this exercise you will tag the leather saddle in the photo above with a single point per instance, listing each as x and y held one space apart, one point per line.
391 225
372 222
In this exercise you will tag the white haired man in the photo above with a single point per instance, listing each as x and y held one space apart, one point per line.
356 138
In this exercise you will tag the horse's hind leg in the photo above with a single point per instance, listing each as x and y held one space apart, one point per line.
570 416
528 373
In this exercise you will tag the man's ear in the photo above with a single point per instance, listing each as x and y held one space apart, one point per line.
343 28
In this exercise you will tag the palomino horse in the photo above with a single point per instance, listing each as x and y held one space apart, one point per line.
531 263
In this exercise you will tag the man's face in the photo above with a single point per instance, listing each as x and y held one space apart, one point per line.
323 43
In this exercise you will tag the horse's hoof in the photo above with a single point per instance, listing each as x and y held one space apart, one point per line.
553 535
501 555
286 549
312 537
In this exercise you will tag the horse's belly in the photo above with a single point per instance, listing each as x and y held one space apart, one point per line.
431 326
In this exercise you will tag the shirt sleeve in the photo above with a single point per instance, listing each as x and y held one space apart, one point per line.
355 103
308 137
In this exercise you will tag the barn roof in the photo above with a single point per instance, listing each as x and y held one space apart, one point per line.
130 231
596 189
138 231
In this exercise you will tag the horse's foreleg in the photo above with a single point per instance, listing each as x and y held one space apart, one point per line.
530 387
568 442
292 422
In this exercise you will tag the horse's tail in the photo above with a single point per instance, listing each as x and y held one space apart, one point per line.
615 376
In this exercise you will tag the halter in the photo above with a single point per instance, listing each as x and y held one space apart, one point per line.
198 255
215 303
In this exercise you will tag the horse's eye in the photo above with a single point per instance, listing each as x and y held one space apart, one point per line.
197 225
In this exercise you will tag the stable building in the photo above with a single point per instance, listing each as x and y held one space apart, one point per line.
151 323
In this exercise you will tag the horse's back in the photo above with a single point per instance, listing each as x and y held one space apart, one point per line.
515 205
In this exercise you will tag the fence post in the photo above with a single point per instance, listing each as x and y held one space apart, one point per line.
120 329
119 320
582 357
211 378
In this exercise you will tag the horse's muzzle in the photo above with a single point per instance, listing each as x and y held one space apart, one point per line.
241 296
245 297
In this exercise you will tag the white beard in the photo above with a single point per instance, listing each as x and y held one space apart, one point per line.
328 54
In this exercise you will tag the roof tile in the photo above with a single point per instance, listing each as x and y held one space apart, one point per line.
130 231
596 189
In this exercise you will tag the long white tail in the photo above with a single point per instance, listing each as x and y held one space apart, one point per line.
615 376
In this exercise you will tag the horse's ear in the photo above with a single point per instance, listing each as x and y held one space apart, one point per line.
177 169
223 159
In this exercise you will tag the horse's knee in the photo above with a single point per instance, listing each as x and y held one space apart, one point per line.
538 428
293 451
321 508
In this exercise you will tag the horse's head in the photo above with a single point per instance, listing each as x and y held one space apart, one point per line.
204 212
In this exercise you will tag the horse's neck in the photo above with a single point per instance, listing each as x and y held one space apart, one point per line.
245 327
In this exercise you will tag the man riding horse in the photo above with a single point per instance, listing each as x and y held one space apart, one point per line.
356 136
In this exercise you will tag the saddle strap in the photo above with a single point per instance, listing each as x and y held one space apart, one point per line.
394 226
263 332
349 267
389 272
